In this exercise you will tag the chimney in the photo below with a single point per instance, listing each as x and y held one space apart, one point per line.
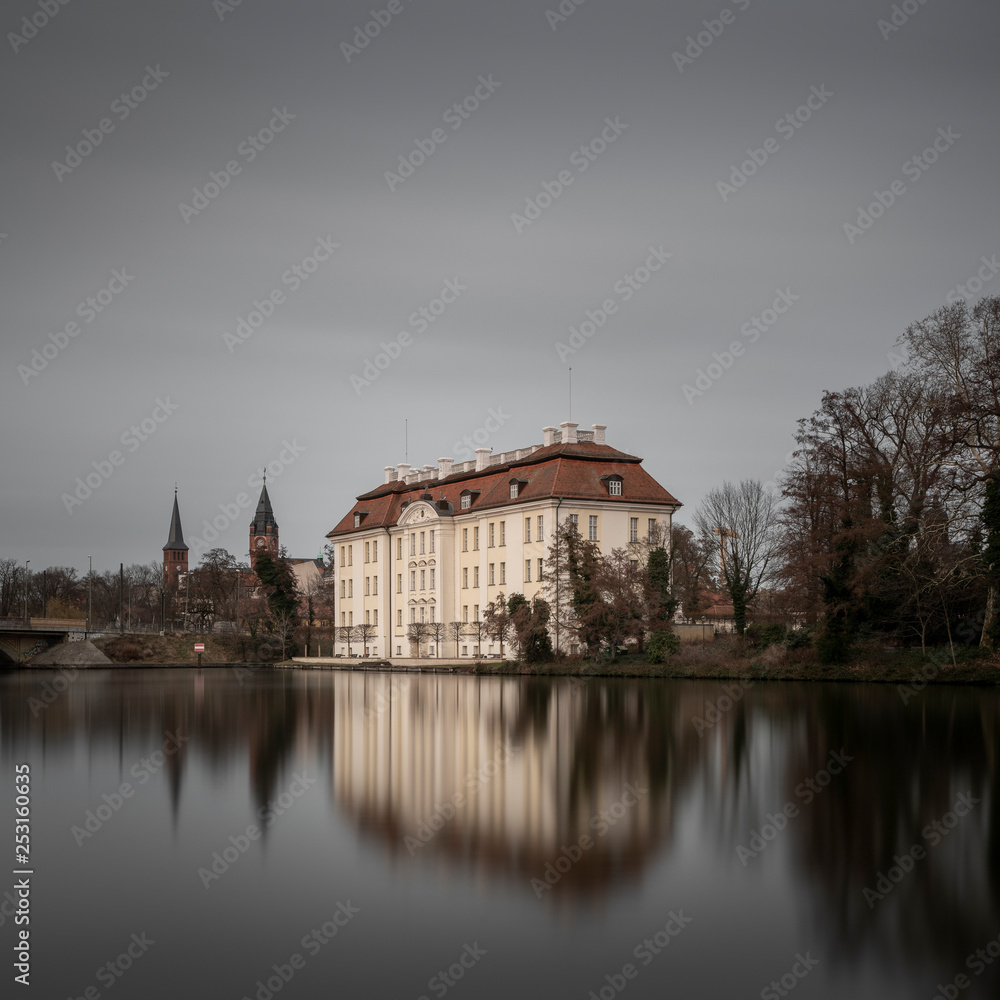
444 467
482 458
429 471
550 436
599 430
402 471
568 432
390 473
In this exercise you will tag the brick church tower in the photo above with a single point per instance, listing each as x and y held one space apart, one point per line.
175 552
263 529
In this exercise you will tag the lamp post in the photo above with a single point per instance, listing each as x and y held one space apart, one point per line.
26 564
90 594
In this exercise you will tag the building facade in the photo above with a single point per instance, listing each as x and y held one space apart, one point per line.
438 544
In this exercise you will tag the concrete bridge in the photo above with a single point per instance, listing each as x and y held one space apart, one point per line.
21 638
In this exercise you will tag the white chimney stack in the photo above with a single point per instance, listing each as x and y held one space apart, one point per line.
568 432
550 436
482 459
402 471
390 473
444 467
599 433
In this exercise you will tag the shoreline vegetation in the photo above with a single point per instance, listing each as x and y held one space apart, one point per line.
727 658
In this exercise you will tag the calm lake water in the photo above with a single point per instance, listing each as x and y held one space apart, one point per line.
325 834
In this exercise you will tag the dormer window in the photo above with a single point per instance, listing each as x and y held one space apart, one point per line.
466 501
514 487
357 520
614 485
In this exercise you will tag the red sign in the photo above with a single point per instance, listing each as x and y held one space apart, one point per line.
199 647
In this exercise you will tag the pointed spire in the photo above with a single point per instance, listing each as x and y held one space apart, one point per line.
176 537
264 514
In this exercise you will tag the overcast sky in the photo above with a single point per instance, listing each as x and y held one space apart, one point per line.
641 122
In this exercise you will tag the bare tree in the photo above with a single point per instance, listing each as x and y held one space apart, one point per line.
476 630
743 521
364 632
345 633
456 632
417 632
499 624
437 631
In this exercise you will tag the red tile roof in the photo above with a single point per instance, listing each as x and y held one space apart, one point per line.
572 471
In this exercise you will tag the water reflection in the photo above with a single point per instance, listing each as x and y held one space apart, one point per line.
510 780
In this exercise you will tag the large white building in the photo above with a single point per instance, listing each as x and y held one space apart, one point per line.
438 544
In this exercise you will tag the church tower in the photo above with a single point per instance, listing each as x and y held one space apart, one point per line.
263 529
175 552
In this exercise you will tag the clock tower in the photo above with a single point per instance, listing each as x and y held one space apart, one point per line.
263 529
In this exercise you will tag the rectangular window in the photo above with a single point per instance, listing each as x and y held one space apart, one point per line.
413 615
423 579
375 585
413 579
465 539
350 619
513 491
374 551
633 529
375 618
368 552
475 576
343 619
503 532
350 588
541 528
492 580
466 501
527 571
423 614
343 555
465 651
432 579
475 612
574 519
541 567
527 529
475 539
433 533
399 583
432 615
492 540
593 528
399 547
413 543
615 487
350 555
503 573
465 612
343 588
465 578
368 586
423 541
399 618
368 618
652 529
